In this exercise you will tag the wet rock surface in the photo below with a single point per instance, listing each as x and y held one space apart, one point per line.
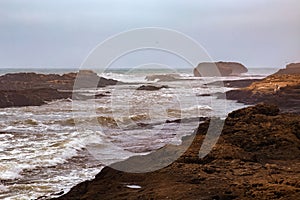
151 87
234 83
256 157
31 89
282 90
30 97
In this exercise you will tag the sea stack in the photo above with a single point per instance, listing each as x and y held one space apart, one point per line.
210 69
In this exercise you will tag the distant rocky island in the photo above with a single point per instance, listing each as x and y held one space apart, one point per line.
219 69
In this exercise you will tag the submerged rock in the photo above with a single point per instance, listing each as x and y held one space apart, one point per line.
151 87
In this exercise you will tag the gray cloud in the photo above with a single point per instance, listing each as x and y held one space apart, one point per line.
61 33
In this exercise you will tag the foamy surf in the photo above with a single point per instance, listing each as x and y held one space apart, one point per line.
50 148
126 78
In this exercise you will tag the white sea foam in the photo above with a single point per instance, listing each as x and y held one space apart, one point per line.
197 107
11 171
8 128
3 188
127 78
31 150
134 186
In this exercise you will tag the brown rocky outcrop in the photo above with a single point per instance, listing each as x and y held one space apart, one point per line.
20 81
279 89
293 68
219 69
234 83
30 97
257 157
32 89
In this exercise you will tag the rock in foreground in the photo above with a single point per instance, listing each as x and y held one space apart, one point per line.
257 157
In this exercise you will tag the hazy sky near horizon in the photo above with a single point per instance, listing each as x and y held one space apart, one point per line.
61 33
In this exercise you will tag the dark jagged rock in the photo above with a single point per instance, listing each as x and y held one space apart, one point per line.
85 79
219 69
204 95
187 120
30 97
31 89
151 87
234 83
257 157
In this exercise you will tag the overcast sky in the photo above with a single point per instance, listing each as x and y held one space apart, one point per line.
56 33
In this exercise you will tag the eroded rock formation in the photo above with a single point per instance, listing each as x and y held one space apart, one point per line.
210 69
293 68
279 89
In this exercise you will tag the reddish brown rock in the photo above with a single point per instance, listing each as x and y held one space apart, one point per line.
293 68
257 157
31 89
219 69
279 89
30 97
234 83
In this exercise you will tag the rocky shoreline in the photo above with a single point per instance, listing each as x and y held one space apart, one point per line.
31 89
234 83
252 159
282 90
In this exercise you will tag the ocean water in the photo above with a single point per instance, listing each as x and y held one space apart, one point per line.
45 150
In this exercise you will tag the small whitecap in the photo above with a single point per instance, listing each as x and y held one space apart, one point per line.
3 188
134 186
